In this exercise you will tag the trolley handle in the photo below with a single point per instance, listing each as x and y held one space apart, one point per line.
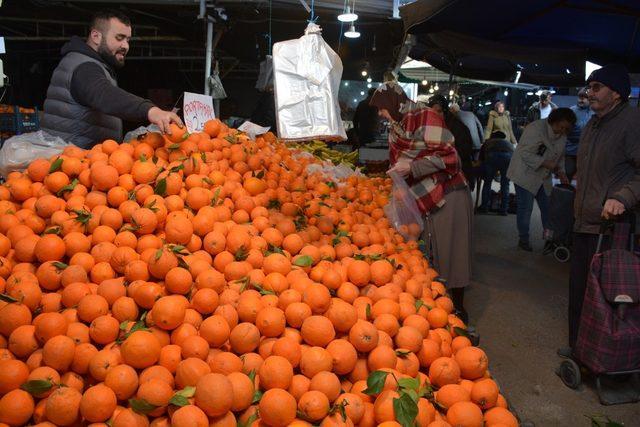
609 224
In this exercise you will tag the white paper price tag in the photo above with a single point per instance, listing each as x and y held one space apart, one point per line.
197 110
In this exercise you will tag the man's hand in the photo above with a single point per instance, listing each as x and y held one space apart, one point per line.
163 119
563 178
612 208
549 164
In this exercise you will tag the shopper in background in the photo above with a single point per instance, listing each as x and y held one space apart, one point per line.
463 141
608 173
583 113
264 114
472 123
84 104
539 153
542 108
500 121
495 156
365 121
423 151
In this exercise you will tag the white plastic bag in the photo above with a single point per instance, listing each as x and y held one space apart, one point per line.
402 210
19 151
307 74
140 131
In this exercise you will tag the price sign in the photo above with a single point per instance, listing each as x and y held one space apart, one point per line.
197 110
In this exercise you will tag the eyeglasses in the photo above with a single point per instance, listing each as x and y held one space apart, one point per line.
594 87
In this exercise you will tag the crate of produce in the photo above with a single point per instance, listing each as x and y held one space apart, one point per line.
15 120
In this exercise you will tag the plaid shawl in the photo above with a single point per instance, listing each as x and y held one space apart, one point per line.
422 134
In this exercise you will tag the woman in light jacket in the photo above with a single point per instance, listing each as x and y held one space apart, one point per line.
499 121
539 153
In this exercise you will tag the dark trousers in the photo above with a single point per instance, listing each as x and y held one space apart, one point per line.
570 166
496 162
583 248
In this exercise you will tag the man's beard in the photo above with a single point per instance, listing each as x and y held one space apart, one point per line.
109 57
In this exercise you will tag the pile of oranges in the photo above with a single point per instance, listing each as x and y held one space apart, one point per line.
209 280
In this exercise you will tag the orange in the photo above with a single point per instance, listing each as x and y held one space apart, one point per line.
277 408
212 394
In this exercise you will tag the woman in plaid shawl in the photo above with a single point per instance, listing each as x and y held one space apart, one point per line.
422 150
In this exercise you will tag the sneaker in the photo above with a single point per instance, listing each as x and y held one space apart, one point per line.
565 352
525 246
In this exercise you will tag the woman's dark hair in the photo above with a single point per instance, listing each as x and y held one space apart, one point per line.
562 115
440 100
498 135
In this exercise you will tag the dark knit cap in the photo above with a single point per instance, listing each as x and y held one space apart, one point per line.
615 77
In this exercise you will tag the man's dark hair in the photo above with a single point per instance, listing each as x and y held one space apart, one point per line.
498 135
544 95
101 18
562 115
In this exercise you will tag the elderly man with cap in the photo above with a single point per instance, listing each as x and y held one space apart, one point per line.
608 176
583 113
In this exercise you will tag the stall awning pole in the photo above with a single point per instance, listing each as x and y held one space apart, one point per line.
209 56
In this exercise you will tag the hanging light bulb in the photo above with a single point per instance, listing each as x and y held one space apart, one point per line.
436 87
430 90
352 33
369 80
369 85
424 82
361 93
506 92
451 92
347 16
364 73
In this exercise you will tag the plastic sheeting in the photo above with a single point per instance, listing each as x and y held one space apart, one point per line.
307 74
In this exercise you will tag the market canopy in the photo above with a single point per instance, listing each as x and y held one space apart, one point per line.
548 41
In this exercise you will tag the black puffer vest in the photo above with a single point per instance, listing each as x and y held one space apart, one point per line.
65 117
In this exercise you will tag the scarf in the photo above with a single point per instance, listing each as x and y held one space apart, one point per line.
422 134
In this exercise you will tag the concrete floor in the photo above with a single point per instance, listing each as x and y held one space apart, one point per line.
517 302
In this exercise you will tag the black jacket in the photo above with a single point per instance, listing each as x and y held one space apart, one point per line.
365 121
91 88
463 141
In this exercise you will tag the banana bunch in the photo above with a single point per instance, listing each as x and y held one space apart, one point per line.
320 150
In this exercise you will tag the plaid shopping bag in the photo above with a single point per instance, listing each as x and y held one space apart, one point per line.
609 332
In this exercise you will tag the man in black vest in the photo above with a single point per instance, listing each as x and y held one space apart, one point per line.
84 104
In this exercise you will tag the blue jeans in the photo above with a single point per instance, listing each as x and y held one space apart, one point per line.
496 162
525 207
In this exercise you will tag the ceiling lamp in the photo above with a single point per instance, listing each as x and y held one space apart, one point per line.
424 82
347 16
352 33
